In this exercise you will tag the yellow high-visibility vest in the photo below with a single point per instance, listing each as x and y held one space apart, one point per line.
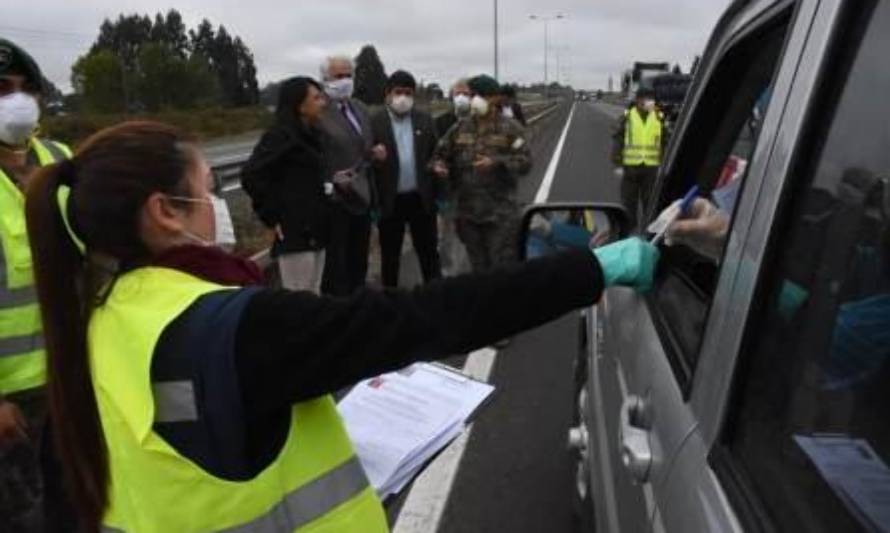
642 139
316 484
22 357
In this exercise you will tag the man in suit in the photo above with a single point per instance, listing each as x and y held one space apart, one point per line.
405 185
349 151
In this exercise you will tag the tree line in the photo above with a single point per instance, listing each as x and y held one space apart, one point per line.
140 64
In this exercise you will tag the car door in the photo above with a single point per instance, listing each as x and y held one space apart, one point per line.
643 367
800 441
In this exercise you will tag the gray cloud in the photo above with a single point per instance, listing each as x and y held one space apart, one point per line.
437 40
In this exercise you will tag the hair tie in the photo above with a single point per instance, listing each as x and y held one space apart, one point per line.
63 197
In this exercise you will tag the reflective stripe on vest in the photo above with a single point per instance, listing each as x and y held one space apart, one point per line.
22 356
642 139
306 503
316 482
174 401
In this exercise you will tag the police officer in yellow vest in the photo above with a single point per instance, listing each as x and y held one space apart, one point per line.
639 140
186 397
22 358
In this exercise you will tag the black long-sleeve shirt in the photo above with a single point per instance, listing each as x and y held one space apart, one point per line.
289 347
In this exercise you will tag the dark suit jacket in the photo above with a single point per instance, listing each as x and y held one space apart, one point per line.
387 175
343 148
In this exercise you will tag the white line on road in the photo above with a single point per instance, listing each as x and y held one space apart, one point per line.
425 505
547 183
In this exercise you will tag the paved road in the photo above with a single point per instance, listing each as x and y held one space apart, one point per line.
516 474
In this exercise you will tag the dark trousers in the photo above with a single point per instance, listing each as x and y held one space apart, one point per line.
408 211
636 189
346 264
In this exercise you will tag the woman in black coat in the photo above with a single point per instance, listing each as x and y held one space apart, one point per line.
285 179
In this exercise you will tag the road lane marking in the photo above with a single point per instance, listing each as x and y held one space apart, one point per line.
550 174
426 503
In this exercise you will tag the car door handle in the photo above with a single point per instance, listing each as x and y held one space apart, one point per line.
636 451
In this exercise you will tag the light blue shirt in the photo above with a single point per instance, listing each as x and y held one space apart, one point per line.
403 131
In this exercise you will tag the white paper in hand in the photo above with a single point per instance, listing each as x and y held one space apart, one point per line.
398 421
665 219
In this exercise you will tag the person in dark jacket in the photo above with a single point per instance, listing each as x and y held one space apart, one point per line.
350 155
405 186
286 181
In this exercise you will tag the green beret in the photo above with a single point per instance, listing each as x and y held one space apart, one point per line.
14 60
485 85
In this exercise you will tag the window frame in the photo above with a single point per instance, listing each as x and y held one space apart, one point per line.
844 48
682 363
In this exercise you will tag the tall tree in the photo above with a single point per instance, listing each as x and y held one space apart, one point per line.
202 39
163 65
370 76
249 93
99 78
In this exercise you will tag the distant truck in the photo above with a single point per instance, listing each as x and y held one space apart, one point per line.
641 76
670 92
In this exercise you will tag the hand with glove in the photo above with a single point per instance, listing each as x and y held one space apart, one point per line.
629 262
703 229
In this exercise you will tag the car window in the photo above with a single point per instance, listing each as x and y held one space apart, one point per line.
810 438
713 155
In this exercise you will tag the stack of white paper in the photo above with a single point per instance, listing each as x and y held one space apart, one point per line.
398 421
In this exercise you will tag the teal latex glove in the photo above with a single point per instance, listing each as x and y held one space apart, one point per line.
629 262
791 298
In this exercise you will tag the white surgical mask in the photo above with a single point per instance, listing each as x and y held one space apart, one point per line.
507 111
401 104
339 89
224 230
19 114
649 105
461 104
479 106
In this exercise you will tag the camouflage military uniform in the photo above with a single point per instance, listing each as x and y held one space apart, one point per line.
486 210
21 487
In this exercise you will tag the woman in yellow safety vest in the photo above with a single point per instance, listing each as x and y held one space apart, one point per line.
185 396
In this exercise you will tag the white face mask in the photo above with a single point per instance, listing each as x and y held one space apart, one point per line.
649 105
401 104
223 229
479 106
507 112
339 89
19 114
461 104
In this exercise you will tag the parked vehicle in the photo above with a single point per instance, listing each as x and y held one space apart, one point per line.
752 393
670 92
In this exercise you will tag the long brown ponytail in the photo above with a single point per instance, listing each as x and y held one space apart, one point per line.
110 178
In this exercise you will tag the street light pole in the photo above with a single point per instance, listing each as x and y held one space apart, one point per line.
546 20
496 73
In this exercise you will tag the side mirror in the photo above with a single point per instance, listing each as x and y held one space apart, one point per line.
550 228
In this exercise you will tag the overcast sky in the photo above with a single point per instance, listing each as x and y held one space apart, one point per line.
437 40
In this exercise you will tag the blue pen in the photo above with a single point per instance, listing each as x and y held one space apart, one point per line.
685 204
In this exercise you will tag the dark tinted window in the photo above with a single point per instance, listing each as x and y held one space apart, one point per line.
811 438
714 155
